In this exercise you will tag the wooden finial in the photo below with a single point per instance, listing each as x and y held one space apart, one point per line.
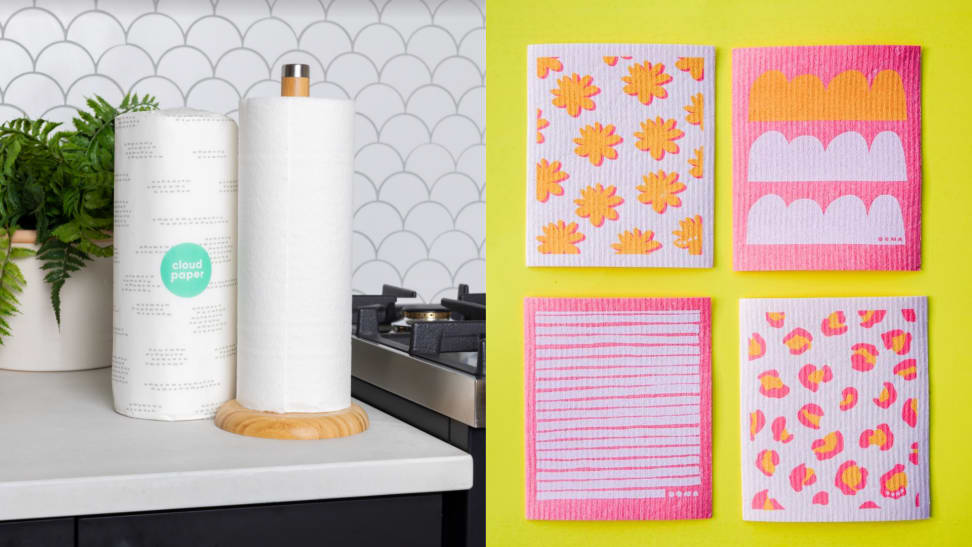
295 81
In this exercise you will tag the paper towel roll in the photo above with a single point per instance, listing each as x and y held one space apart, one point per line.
295 254
174 350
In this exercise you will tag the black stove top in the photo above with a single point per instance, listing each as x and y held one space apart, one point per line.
451 333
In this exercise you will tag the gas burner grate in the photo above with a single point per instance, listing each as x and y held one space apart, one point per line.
458 342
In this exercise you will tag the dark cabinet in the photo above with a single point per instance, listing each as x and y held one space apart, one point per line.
57 532
407 520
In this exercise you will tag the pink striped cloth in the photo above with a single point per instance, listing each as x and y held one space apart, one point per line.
618 408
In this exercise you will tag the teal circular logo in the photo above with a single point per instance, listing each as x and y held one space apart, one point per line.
186 269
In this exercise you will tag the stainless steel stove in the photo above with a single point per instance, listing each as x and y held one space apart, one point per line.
426 365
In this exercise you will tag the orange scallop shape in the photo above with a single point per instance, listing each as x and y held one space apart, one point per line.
847 96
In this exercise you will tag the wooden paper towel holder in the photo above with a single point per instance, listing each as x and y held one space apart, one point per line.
236 418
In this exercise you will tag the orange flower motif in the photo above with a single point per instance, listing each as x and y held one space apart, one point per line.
656 137
597 142
696 163
541 125
693 65
612 60
598 203
549 177
574 93
690 236
696 113
659 190
559 238
636 242
646 81
546 64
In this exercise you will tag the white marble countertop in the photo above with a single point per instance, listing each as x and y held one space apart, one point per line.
64 451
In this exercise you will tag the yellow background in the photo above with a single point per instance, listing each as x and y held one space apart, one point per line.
944 30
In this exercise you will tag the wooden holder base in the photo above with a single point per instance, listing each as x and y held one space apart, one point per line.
236 418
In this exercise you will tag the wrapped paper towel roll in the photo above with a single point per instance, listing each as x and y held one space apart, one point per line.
174 350
295 254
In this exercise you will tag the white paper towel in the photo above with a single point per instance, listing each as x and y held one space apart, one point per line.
174 350
295 254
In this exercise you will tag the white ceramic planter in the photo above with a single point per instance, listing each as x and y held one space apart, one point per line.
84 339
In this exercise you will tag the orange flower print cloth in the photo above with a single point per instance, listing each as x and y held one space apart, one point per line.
620 155
834 409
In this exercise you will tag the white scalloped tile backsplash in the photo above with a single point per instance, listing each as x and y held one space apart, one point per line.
415 68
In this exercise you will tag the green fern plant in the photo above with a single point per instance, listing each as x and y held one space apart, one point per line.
59 183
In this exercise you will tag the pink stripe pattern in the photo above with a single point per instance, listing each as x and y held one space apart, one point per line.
618 408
